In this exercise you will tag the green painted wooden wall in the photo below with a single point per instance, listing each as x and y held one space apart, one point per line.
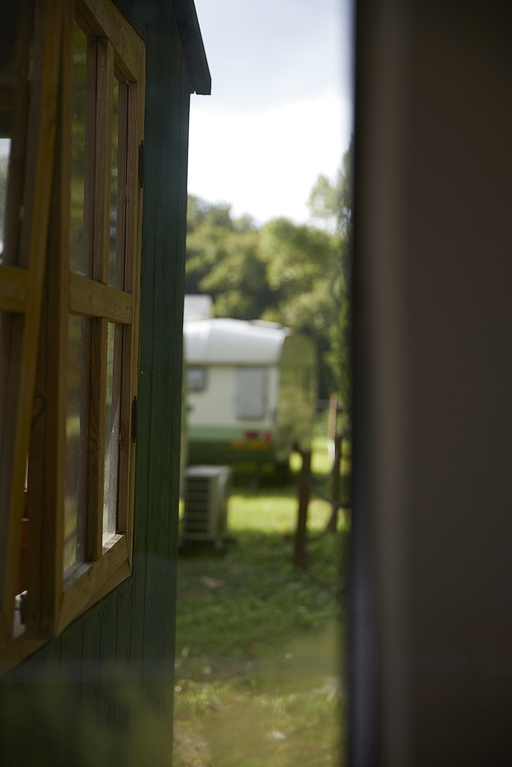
101 694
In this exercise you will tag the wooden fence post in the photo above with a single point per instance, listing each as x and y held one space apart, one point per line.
335 486
332 421
299 558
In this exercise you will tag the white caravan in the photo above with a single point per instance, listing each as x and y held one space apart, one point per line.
251 391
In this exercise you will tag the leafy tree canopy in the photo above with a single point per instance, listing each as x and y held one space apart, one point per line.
332 201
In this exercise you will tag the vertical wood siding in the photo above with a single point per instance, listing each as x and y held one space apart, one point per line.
101 693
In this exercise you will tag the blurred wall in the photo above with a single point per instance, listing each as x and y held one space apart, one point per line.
431 628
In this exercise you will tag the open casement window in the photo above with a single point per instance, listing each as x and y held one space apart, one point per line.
72 103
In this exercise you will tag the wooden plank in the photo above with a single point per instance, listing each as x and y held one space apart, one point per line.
91 298
17 650
71 652
71 642
141 466
133 269
193 49
44 670
93 581
37 186
105 20
165 383
129 626
123 497
107 679
123 653
13 288
130 371
170 630
90 672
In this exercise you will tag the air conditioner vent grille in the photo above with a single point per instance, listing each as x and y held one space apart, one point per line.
206 494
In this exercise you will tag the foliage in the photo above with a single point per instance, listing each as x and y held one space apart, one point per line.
303 270
333 202
297 275
223 260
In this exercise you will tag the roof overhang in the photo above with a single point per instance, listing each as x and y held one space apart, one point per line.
193 47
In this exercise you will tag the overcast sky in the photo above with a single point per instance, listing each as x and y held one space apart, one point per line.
280 111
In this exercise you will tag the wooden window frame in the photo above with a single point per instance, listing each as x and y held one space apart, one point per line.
39 292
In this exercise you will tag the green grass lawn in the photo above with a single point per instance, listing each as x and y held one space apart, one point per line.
258 642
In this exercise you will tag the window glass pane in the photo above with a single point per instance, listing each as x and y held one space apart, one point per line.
76 440
77 251
114 274
11 335
5 150
196 379
10 10
251 392
112 427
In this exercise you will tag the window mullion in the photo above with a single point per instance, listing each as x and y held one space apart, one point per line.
99 327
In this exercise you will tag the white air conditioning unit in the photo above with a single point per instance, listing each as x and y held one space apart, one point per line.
207 490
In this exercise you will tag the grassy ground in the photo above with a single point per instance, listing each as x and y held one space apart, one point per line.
258 642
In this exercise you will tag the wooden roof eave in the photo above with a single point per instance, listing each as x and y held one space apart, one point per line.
192 41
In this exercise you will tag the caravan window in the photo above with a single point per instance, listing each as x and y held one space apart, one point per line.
196 379
251 392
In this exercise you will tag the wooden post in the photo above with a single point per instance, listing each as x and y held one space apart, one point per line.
299 557
332 421
335 486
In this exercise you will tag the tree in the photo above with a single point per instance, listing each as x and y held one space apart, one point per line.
223 259
333 202
299 262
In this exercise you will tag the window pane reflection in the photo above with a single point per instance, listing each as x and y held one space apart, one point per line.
5 151
77 251
113 276
76 440
112 427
